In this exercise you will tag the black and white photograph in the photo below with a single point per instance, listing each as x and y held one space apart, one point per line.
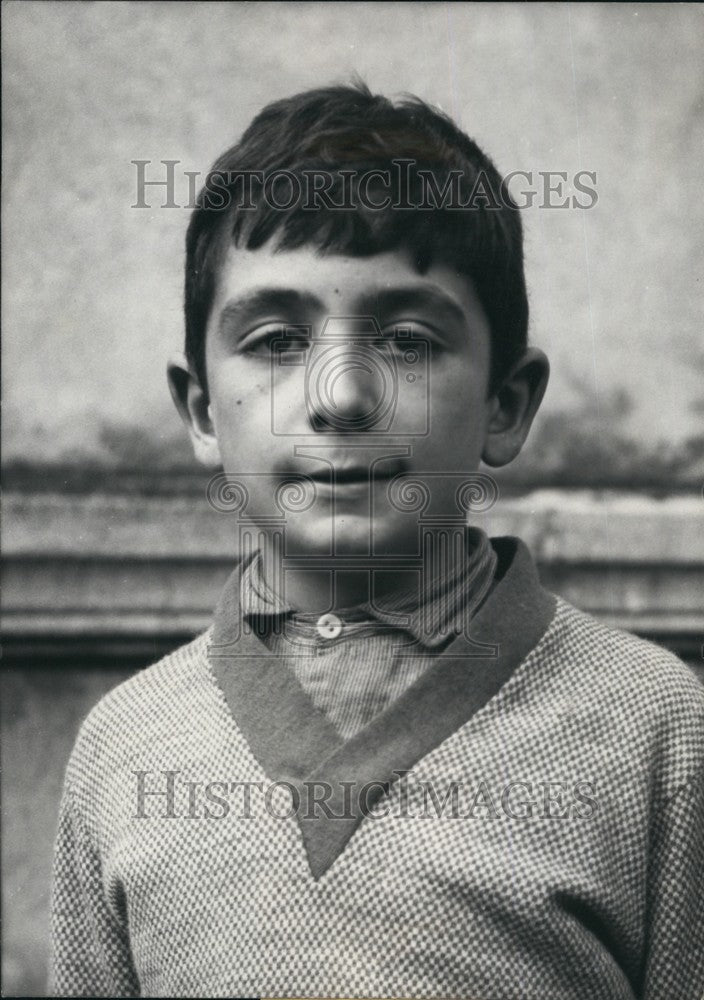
353 492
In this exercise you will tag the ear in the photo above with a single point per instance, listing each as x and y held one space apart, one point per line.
192 404
513 407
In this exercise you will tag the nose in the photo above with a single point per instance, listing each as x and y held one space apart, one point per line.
348 386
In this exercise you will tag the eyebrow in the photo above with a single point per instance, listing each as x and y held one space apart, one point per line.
251 305
402 299
382 302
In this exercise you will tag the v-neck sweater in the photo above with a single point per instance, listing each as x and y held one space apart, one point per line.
525 821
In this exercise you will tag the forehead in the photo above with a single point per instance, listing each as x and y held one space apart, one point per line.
341 282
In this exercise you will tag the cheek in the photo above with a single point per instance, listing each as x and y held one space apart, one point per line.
459 417
239 394
458 395
242 425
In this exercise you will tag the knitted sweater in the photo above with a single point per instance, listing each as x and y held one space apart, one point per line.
525 821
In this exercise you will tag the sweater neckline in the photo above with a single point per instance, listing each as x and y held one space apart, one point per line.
294 742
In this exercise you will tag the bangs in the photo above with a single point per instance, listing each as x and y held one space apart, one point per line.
353 227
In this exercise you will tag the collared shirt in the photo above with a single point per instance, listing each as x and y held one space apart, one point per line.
356 661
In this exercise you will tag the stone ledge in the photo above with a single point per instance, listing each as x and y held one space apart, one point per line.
139 566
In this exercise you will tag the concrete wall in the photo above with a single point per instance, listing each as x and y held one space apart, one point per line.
92 287
42 709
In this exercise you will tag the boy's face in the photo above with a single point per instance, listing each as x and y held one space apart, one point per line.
335 398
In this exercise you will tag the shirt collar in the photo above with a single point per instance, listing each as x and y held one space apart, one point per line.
430 617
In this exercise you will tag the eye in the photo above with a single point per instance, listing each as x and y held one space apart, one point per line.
403 334
275 339
391 337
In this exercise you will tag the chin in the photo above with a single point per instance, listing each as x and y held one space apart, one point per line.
350 535
327 537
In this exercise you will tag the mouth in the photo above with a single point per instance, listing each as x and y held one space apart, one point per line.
347 479
343 484
344 477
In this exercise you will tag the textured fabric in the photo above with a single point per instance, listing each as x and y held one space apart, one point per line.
597 894
293 741
352 678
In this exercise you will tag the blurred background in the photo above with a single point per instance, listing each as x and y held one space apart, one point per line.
111 554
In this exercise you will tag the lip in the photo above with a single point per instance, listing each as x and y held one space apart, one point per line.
348 476
354 489
349 472
352 484
345 479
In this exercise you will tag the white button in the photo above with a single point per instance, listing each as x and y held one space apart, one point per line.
329 626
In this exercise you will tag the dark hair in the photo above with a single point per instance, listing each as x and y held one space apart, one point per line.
348 129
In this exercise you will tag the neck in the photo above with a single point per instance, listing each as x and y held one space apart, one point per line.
333 585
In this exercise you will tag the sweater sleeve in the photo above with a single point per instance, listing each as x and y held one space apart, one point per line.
91 953
675 962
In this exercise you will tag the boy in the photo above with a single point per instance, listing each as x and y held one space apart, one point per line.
395 766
